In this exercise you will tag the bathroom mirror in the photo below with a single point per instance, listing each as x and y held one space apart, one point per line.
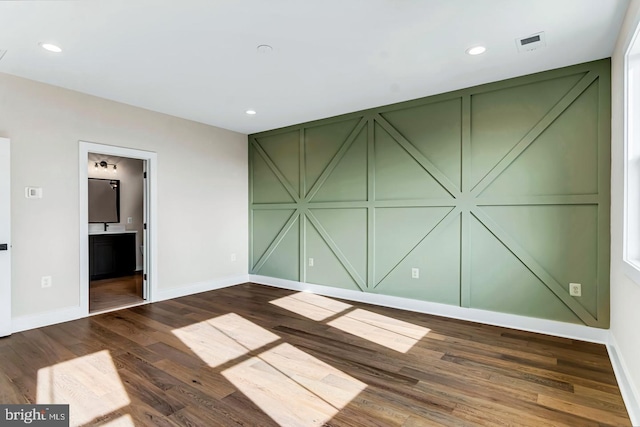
104 200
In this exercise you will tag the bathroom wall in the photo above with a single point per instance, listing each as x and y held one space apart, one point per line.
130 173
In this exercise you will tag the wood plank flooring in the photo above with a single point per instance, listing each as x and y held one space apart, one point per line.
113 293
258 356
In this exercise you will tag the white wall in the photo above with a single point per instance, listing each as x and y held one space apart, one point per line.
130 174
202 190
625 294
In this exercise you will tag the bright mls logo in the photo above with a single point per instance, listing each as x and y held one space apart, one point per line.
34 415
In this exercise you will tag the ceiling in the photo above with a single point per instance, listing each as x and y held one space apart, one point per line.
197 59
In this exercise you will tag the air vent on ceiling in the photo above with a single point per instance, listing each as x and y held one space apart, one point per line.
532 42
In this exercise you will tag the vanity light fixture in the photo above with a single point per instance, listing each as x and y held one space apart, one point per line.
51 47
476 50
105 165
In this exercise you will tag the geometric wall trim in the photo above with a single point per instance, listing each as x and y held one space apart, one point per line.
498 194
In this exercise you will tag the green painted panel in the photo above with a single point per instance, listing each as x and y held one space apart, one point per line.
436 131
500 118
321 143
284 262
348 181
525 163
563 239
500 282
327 269
348 229
266 226
398 176
398 231
283 149
438 261
562 160
266 186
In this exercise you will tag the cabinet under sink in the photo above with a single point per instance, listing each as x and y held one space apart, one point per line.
112 255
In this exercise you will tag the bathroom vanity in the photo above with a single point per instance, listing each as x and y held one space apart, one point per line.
112 254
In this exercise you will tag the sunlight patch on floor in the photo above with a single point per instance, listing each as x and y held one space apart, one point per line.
225 338
311 306
293 387
89 384
392 333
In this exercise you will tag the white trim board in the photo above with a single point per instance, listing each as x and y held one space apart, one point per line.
629 393
196 288
40 320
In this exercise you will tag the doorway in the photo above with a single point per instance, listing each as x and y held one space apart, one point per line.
117 223
5 239
116 200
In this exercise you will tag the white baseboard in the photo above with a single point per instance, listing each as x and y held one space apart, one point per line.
196 288
24 323
549 327
629 393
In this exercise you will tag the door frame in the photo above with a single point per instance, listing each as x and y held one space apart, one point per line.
151 245
6 327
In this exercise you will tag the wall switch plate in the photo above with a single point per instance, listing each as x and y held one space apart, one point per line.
46 281
415 273
310 262
129 220
233 257
33 192
575 289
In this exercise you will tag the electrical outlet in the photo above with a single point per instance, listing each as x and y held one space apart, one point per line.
310 262
233 257
46 281
415 273
575 289
129 220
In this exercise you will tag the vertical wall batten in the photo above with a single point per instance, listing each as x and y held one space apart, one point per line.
371 212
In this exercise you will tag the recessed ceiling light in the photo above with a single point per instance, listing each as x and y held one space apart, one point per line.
264 48
476 50
251 112
51 47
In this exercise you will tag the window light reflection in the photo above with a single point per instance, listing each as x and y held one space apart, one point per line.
223 339
89 384
392 333
277 376
311 306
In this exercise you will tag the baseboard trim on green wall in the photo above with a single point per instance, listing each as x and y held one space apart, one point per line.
543 326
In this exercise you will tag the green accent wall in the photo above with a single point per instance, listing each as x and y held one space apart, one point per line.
499 194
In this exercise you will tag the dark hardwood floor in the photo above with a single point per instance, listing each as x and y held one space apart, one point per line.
259 356
113 293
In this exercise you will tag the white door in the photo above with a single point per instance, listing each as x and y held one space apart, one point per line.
5 240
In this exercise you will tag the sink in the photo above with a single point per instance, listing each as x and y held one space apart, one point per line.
111 229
